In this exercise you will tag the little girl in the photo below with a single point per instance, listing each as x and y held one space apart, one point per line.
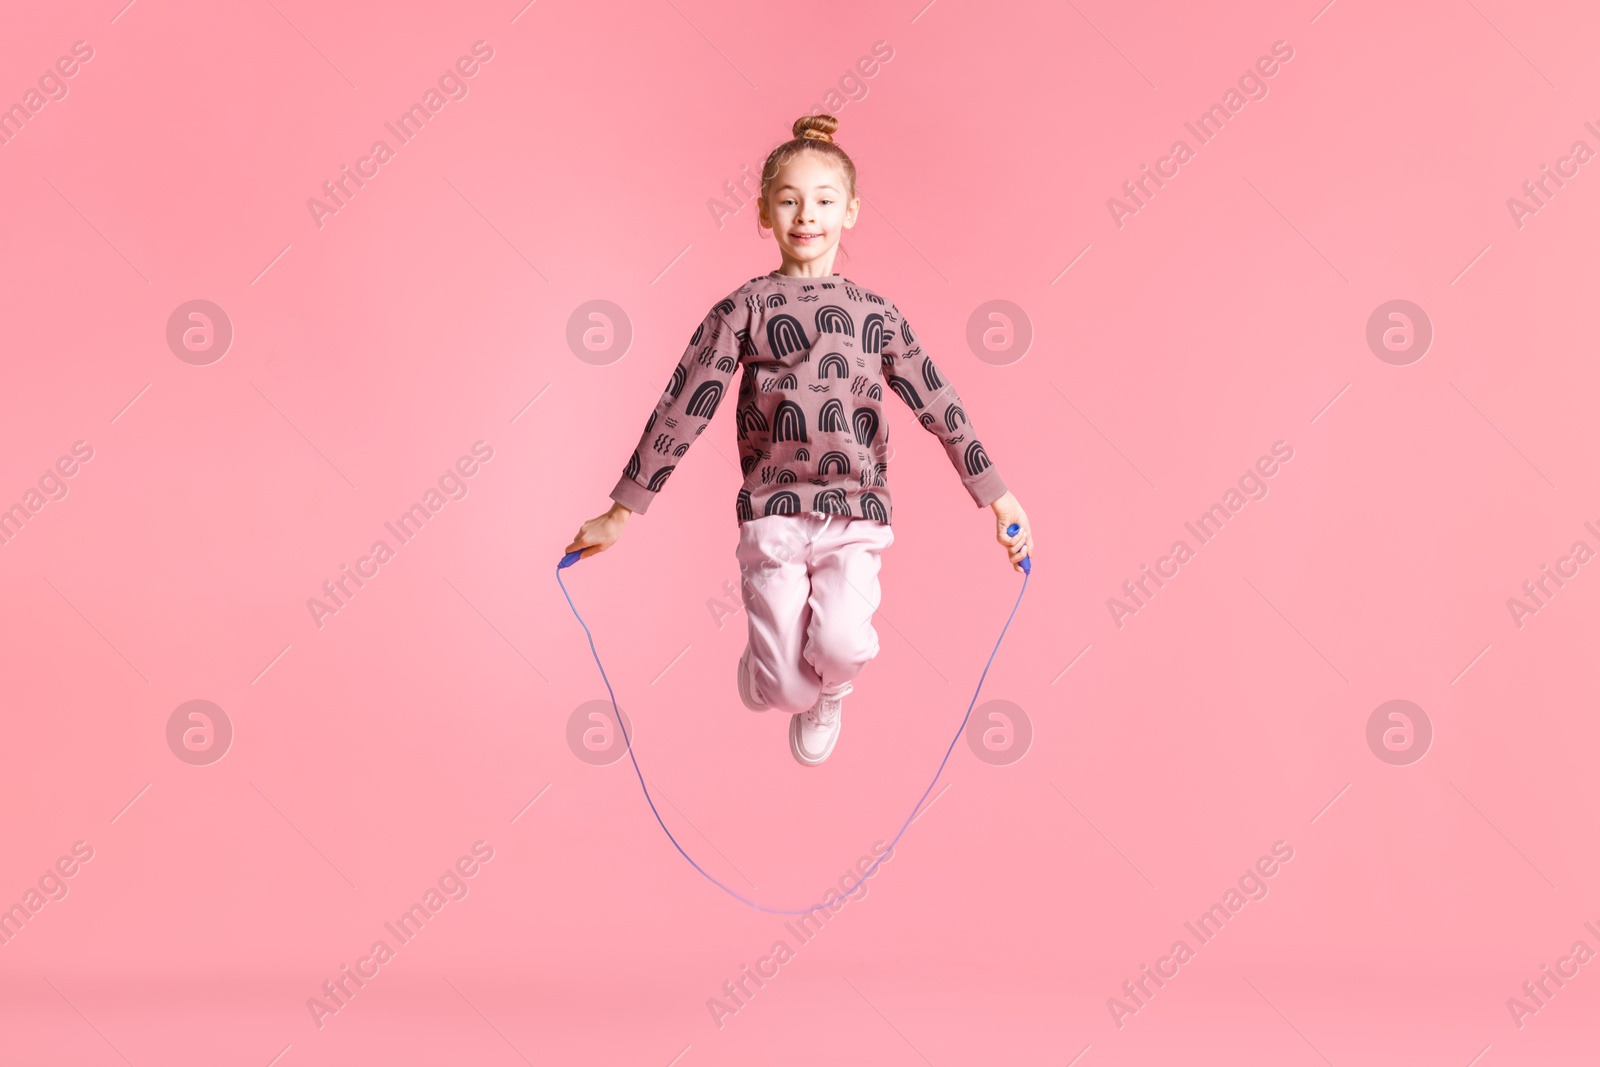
816 350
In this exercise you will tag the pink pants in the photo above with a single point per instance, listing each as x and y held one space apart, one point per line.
810 585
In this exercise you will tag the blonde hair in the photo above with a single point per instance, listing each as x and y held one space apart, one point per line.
812 133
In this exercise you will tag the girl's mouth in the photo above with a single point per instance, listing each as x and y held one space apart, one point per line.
802 238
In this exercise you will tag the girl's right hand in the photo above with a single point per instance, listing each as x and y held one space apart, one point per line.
600 532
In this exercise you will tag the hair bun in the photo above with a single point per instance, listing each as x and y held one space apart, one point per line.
815 128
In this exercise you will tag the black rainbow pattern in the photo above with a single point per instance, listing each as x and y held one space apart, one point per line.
805 444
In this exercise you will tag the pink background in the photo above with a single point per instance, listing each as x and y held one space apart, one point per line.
1230 713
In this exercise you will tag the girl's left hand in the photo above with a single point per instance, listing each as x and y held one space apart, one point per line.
1007 511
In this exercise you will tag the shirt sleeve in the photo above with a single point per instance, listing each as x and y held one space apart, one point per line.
913 376
697 386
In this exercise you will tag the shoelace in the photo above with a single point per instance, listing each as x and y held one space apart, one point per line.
825 712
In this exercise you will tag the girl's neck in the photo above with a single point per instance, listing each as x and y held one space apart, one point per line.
821 267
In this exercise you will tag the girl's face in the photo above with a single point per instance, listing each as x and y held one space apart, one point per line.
807 211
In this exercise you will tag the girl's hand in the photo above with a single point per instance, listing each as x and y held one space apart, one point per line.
600 532
1008 511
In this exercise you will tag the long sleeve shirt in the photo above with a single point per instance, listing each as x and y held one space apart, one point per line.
815 356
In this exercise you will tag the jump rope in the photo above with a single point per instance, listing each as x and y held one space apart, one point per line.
572 557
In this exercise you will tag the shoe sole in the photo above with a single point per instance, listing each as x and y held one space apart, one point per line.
743 680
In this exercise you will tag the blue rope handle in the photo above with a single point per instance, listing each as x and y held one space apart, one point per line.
572 557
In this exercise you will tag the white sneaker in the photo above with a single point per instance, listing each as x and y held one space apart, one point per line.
813 732
747 692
